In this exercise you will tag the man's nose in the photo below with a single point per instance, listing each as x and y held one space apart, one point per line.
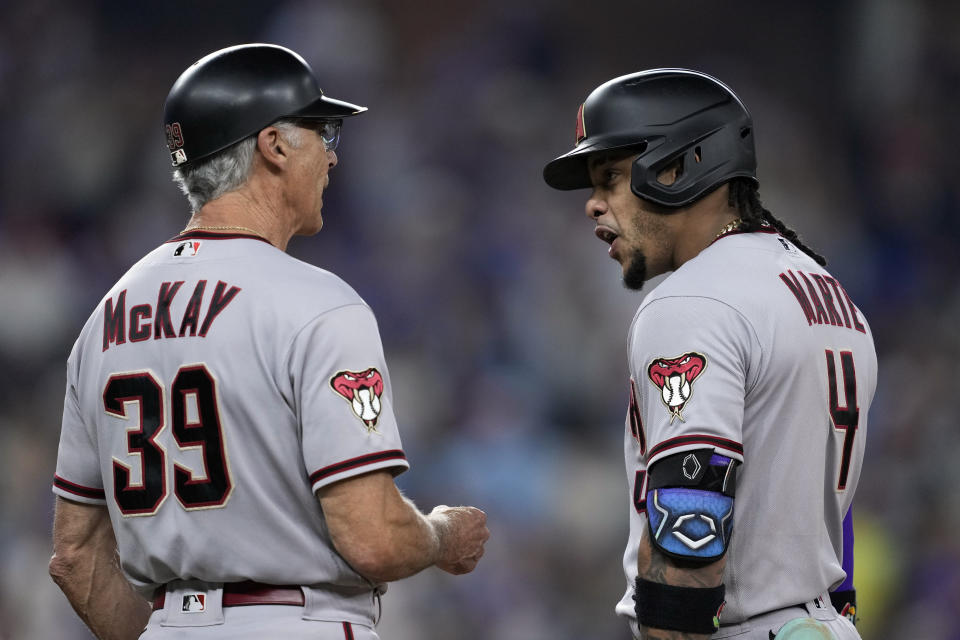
596 207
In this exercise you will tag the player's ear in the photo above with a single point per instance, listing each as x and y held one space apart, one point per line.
273 147
672 172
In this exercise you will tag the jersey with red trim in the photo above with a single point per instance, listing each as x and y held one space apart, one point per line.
753 350
214 389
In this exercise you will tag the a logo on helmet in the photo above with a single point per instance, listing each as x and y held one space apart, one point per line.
674 377
362 390
175 143
581 127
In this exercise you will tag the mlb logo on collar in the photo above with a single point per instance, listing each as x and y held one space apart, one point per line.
187 249
194 603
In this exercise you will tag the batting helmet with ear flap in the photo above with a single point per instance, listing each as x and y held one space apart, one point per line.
666 116
235 92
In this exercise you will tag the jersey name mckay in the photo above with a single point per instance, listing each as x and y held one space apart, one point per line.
146 320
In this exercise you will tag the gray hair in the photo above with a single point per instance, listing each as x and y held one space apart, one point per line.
226 170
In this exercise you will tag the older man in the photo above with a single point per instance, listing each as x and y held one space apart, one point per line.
222 387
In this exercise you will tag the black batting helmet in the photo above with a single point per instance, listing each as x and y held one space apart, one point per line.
232 93
665 115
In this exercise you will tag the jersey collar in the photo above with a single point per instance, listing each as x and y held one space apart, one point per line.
211 235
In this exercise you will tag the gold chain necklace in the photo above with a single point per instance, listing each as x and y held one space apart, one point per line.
221 228
733 225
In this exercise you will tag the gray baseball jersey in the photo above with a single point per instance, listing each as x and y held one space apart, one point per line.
755 351
215 388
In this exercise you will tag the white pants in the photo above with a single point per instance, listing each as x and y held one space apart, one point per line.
257 622
760 627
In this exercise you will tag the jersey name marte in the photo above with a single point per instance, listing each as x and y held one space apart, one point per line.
753 350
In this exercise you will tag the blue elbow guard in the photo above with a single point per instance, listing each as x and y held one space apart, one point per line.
690 505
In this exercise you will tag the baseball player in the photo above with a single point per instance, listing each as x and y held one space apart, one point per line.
751 370
221 388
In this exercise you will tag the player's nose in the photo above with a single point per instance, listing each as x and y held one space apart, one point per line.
332 158
596 206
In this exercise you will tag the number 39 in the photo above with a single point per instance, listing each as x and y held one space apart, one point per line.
146 496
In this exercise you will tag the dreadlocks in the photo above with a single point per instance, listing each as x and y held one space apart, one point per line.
745 197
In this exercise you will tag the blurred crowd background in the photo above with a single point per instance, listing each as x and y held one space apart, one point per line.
503 319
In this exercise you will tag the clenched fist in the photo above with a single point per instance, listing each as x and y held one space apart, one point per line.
461 531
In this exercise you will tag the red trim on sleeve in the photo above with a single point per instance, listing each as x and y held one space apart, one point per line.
79 490
682 441
353 463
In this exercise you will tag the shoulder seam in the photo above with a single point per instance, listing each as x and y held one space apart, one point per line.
296 334
753 329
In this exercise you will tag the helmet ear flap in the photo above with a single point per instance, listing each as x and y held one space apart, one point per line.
669 175
662 173
673 172
703 164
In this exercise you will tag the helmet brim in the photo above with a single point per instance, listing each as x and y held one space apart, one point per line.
324 107
570 171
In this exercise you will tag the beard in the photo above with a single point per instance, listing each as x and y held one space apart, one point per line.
635 273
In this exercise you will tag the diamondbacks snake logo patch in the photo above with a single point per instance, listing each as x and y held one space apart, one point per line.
362 390
674 377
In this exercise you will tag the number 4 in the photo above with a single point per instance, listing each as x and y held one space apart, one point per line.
205 433
847 417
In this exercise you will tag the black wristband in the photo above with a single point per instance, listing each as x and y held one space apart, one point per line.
688 609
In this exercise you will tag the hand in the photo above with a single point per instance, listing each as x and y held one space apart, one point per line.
462 531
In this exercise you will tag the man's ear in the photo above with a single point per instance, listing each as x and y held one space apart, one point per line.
672 173
273 147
